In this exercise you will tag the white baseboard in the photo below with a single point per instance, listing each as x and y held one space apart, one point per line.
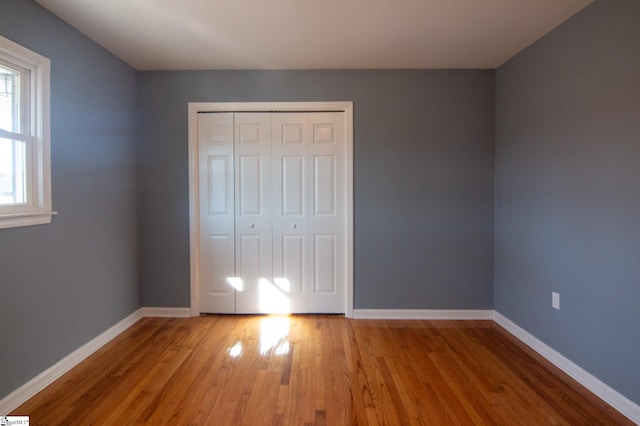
423 314
586 379
166 312
44 379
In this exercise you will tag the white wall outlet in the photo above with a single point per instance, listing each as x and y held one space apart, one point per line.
555 300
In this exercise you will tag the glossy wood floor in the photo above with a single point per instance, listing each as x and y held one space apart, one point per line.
315 370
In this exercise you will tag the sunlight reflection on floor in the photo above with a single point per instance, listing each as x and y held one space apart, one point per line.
274 331
235 351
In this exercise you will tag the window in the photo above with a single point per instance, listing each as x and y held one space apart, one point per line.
25 181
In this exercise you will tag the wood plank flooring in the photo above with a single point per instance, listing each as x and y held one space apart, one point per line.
315 370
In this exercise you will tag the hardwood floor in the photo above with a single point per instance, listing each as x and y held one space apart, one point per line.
315 370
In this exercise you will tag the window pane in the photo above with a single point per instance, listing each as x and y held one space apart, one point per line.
12 172
9 100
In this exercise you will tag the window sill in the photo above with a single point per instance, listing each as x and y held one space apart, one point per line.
15 220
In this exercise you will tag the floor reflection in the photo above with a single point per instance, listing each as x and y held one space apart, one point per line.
274 338
274 333
235 351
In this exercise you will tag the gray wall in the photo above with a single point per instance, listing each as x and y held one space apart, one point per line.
568 191
423 179
63 284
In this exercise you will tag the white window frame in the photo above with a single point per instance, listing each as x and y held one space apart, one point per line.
37 209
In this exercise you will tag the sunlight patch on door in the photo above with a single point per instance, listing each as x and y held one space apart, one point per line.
236 283
273 299
283 283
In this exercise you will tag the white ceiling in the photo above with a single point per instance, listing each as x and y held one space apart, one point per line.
314 34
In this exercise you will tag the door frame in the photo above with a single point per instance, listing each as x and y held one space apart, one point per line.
194 199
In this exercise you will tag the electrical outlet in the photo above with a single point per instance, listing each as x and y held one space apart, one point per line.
555 300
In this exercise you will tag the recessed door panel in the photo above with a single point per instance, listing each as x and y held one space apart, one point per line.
293 255
220 184
250 133
324 185
293 185
250 185
324 133
324 264
220 264
292 134
220 133
250 266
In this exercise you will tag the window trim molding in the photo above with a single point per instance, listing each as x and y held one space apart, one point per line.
39 209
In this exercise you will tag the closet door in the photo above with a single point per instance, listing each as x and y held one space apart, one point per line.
273 212
290 162
327 213
309 211
217 213
253 212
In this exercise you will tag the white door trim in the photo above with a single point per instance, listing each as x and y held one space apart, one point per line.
194 215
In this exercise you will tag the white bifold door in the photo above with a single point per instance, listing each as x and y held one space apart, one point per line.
273 212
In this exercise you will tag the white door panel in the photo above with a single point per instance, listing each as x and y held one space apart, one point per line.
290 213
217 235
253 207
327 222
